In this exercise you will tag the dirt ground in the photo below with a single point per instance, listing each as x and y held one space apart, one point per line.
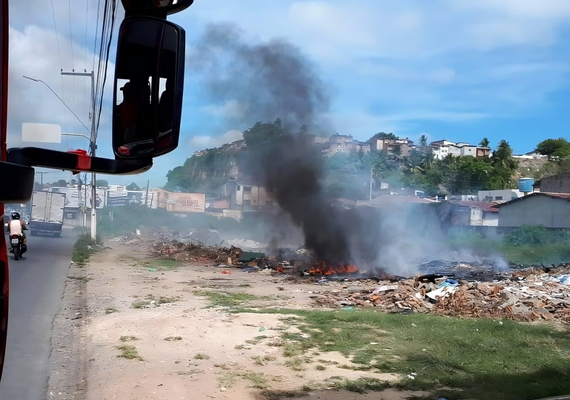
185 349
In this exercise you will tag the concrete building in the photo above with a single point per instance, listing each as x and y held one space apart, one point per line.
473 213
551 210
343 144
555 184
392 146
247 196
500 196
443 148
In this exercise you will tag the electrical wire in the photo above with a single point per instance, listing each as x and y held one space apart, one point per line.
70 33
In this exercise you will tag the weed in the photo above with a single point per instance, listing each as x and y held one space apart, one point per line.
320 367
140 304
259 380
201 356
172 338
84 247
292 349
296 364
261 361
128 338
83 279
130 352
227 379
361 385
111 310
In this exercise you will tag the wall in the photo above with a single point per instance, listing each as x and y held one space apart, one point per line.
556 184
180 202
504 195
536 210
490 219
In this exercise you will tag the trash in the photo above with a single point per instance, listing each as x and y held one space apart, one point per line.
350 308
441 292
151 269
385 288
226 272
449 283
564 279
261 329
250 256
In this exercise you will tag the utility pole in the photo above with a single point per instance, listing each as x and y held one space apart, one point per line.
146 196
370 191
93 148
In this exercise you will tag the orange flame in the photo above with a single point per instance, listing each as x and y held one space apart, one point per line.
322 268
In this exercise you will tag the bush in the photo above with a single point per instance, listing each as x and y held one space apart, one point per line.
530 234
84 247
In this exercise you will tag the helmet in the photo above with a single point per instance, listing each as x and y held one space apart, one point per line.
15 215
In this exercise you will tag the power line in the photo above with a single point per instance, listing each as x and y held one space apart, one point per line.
70 33
56 35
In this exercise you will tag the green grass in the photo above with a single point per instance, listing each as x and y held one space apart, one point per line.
161 265
221 299
83 248
201 356
484 358
173 338
128 338
129 352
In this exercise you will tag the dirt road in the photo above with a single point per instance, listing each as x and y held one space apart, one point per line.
136 328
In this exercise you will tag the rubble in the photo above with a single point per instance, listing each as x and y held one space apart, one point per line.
523 294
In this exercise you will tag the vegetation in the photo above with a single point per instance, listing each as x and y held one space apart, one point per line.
554 148
452 358
223 299
525 245
129 352
84 247
348 175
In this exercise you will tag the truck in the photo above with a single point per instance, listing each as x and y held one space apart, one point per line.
47 213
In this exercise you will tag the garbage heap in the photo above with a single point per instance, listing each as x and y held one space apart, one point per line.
527 295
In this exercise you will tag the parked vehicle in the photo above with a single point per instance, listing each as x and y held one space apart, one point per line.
47 213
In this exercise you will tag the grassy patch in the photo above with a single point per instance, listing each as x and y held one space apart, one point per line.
482 357
201 356
261 361
296 364
84 247
160 265
128 338
221 299
258 380
362 385
173 338
283 394
83 279
320 367
140 303
130 352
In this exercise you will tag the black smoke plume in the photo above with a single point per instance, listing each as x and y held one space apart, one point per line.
274 81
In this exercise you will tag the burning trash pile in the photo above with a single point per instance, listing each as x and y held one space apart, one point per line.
179 251
525 295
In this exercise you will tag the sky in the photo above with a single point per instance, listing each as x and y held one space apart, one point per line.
455 70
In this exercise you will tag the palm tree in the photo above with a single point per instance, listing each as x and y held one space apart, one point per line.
423 141
484 143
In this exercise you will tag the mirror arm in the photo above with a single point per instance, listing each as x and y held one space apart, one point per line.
76 161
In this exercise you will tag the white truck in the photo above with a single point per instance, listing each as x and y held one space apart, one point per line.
47 213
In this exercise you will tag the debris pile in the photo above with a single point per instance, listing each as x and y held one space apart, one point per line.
527 295
195 252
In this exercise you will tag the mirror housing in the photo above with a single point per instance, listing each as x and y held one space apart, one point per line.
157 8
149 81
18 182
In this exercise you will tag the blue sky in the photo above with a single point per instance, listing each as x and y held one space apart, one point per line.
459 70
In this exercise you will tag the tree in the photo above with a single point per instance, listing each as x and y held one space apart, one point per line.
133 186
423 141
484 143
101 183
263 134
60 183
382 135
554 147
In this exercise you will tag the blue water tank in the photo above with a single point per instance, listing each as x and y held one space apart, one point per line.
525 185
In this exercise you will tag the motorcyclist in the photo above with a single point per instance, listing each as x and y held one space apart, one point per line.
17 227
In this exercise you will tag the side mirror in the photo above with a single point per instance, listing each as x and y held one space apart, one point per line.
149 81
18 182
156 7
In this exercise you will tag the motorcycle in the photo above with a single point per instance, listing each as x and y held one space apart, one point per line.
17 246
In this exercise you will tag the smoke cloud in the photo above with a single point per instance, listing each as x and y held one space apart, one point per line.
271 81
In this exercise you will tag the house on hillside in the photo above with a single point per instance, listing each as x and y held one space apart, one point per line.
392 146
343 144
551 210
500 196
248 196
443 148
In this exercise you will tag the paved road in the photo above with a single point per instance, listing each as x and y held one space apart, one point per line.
36 287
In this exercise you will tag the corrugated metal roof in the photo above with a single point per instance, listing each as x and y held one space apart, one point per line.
482 205
393 201
562 196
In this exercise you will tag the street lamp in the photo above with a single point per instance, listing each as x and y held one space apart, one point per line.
91 139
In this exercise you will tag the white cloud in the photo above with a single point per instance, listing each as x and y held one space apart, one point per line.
208 142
